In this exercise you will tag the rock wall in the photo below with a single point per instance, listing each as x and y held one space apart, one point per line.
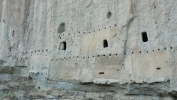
121 49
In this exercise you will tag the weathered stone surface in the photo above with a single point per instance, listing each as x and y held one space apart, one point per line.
6 70
111 47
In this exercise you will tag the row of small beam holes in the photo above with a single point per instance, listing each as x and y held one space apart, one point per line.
34 52
85 32
97 55
109 54
154 50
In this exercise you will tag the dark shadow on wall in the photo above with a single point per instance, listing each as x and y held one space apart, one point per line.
61 28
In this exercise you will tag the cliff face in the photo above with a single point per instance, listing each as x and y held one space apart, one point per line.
84 49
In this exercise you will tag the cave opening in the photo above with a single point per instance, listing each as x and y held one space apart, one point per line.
144 37
62 45
105 43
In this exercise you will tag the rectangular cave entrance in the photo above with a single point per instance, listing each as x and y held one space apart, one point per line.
144 37
62 45
105 43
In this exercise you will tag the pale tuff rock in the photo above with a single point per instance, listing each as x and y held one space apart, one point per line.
88 49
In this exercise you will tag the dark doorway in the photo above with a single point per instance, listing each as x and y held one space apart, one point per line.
105 43
144 37
62 45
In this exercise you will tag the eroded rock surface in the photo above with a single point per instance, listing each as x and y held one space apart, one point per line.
88 49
